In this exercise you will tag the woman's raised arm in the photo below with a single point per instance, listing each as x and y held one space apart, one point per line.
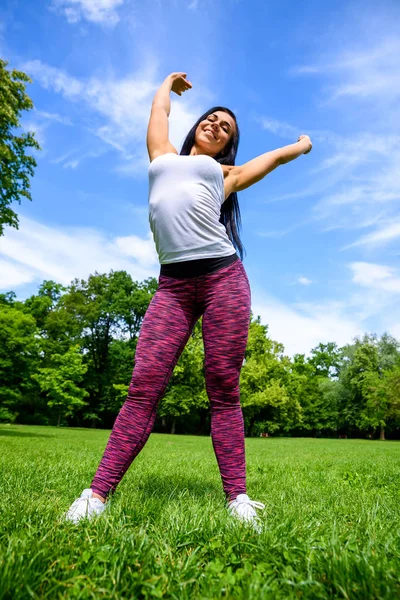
157 131
241 177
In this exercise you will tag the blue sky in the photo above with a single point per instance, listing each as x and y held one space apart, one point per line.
321 233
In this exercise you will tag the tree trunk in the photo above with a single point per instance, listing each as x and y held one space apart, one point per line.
164 423
173 425
59 418
382 434
202 423
251 425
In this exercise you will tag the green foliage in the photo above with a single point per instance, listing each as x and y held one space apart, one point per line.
60 382
186 390
100 312
351 390
325 359
382 400
19 356
367 375
331 522
264 394
16 166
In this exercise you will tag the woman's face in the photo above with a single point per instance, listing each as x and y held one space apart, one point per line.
213 134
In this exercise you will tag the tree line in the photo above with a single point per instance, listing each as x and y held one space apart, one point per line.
67 355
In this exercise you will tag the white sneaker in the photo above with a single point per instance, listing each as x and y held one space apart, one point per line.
242 508
85 507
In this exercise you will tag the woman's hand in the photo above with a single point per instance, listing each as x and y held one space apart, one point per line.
305 140
179 83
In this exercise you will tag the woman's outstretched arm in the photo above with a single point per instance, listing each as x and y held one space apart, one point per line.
241 177
157 132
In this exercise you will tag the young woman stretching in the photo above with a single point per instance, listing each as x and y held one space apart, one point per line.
195 220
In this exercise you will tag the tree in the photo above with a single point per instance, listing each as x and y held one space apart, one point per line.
366 373
381 391
60 382
19 355
103 310
388 351
186 392
16 166
325 358
267 405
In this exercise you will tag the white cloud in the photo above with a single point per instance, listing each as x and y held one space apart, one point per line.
370 70
280 128
378 277
71 164
358 182
12 275
279 233
36 252
123 107
53 117
381 236
302 327
304 281
103 12
142 251
371 304
54 79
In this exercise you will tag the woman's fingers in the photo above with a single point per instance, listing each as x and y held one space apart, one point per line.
179 83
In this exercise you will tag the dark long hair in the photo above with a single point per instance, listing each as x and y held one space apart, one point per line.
230 211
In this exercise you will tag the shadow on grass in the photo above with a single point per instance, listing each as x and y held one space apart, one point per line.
25 434
165 488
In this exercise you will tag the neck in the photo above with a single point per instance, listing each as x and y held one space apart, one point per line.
197 151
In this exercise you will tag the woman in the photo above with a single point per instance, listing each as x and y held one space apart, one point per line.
195 220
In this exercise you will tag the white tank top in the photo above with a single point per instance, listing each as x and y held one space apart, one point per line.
185 198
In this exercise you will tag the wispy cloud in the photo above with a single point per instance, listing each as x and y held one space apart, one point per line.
102 12
36 252
122 107
279 233
302 327
280 128
365 72
357 79
380 236
369 302
304 280
378 277
368 194
13 275
357 179
71 164
53 117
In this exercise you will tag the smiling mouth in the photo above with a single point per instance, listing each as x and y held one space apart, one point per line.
210 132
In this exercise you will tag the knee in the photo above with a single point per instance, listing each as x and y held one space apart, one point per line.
144 389
222 381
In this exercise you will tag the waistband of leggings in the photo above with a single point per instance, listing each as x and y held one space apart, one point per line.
195 268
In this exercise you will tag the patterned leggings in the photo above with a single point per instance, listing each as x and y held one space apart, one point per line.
223 298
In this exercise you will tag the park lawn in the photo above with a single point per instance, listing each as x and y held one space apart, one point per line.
331 522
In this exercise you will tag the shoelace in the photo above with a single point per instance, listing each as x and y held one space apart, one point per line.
245 507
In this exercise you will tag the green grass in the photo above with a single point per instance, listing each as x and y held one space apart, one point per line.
331 523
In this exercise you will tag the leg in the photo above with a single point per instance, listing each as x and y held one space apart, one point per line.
225 330
166 327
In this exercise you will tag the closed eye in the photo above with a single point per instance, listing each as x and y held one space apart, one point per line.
225 126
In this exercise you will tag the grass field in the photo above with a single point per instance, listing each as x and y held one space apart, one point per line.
331 523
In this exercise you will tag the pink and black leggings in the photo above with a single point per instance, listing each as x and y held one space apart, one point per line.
223 299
